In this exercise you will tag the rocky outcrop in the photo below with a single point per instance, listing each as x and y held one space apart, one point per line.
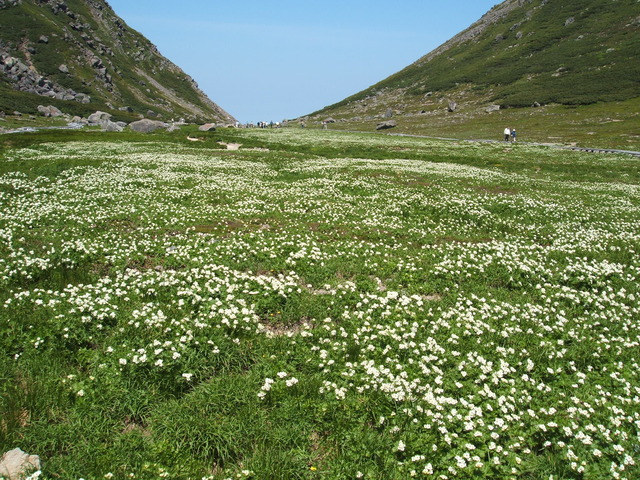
8 3
94 48
26 78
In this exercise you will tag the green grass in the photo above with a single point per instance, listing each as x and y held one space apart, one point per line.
317 305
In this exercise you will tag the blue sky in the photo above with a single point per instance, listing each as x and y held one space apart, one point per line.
264 60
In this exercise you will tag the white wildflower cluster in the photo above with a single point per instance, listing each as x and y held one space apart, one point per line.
482 320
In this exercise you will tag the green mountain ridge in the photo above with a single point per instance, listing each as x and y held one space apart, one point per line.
79 56
519 54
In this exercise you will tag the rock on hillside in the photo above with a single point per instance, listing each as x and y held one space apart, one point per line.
81 53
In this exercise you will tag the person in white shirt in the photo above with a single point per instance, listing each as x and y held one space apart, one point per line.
507 134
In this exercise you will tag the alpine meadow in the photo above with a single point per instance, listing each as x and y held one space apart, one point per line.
436 278
318 305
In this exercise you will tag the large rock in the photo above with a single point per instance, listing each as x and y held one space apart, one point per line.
388 113
147 126
83 98
492 108
98 118
452 106
109 126
16 464
207 127
49 111
386 125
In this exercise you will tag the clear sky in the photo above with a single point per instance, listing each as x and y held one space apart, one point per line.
264 60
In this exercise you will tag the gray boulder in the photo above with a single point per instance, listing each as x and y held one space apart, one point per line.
330 120
49 111
63 68
146 126
109 126
386 125
98 118
452 106
388 113
492 108
83 98
16 464
207 127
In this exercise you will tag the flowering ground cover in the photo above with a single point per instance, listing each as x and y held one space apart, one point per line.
319 305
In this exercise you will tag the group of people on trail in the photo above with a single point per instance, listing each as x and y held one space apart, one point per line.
260 125
509 133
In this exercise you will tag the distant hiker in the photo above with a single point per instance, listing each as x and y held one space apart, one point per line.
507 134
324 125
513 134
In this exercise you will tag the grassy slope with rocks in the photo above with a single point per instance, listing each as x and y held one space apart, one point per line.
578 59
317 305
107 60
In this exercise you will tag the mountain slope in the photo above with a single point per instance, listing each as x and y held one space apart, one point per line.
83 57
521 53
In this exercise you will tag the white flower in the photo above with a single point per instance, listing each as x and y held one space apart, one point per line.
401 446
291 382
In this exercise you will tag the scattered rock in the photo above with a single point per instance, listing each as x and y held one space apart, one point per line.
231 146
492 108
535 105
49 111
452 106
386 125
109 126
330 120
207 127
147 126
43 39
16 464
388 113
569 21
99 118
63 68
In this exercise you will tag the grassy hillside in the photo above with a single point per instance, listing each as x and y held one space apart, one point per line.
547 52
105 59
317 305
